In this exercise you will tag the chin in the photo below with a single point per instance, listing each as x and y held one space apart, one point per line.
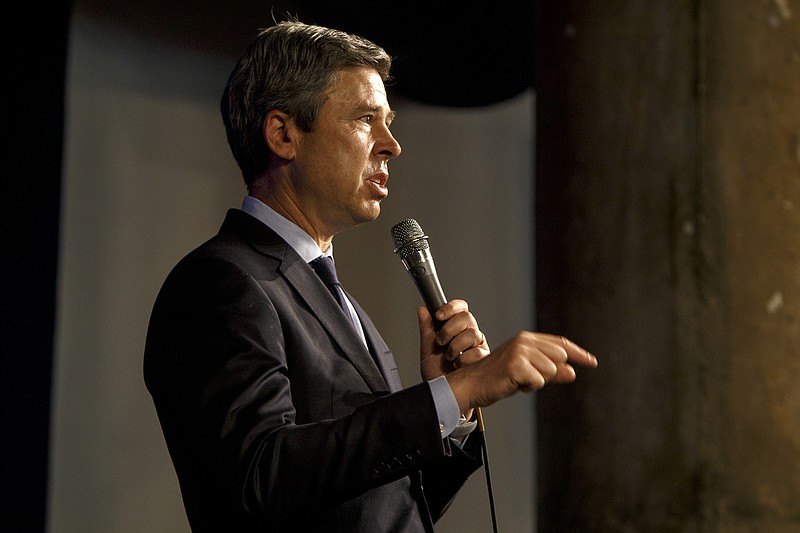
370 213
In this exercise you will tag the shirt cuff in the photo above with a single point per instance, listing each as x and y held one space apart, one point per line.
446 405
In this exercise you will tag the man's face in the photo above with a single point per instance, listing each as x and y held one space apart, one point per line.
342 165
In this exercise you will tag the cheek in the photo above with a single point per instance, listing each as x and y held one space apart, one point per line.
343 159
354 156
357 144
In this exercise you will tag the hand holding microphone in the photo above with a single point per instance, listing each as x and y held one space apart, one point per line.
524 363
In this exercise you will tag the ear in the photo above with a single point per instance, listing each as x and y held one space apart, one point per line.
280 134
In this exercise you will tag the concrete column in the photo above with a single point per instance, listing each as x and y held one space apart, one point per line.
668 243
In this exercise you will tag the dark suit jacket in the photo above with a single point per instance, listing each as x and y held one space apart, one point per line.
276 416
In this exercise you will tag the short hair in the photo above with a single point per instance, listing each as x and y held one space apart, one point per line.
288 67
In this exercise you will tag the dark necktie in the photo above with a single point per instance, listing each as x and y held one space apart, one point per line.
326 271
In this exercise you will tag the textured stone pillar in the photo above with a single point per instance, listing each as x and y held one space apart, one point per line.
668 242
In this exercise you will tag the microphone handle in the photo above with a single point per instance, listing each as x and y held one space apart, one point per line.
422 269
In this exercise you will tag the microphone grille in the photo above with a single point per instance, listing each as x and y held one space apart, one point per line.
408 238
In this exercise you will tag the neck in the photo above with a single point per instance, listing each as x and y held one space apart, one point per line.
279 195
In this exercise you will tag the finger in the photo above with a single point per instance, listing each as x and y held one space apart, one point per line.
562 352
455 326
564 374
572 353
552 349
575 354
451 309
424 319
545 365
538 375
578 355
465 341
473 355
475 352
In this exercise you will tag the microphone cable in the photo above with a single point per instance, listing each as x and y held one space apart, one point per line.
485 454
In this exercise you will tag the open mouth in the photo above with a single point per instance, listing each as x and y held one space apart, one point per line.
378 183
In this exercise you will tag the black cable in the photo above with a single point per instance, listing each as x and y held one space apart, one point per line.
485 453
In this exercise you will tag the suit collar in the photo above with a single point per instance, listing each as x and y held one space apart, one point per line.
297 238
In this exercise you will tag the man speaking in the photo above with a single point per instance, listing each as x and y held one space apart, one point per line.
279 401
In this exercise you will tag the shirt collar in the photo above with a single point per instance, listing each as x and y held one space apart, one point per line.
298 239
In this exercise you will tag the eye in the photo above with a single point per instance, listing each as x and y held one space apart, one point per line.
367 119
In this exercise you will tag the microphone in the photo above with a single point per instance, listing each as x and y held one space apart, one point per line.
411 244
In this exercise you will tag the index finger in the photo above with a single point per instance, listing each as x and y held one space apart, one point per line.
450 309
575 354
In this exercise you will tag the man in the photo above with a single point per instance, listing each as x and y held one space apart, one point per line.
279 412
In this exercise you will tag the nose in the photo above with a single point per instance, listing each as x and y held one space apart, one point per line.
387 146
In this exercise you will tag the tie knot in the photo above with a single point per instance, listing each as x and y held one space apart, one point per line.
323 266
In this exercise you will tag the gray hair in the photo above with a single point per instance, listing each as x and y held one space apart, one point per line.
288 67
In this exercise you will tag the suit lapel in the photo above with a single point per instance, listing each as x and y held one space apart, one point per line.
306 282
377 346
313 291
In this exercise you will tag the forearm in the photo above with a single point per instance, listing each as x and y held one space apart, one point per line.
334 460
